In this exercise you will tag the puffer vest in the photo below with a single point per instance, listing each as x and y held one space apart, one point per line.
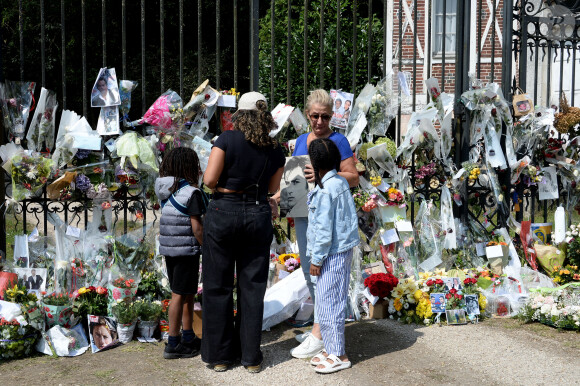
175 234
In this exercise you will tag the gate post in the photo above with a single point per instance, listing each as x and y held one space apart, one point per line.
254 44
3 179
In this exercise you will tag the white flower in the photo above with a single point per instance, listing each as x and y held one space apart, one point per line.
406 306
31 175
575 233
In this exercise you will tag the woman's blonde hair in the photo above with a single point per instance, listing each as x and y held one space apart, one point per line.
256 125
319 96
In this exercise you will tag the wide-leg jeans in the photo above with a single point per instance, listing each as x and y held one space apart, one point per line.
237 237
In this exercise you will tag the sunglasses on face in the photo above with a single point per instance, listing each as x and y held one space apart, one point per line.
325 117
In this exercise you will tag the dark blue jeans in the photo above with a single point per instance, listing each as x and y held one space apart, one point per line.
237 235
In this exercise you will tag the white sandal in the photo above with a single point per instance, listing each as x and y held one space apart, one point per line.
321 358
337 365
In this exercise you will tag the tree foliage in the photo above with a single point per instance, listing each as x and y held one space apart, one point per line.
329 45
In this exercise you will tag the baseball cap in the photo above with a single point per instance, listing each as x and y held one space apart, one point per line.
249 99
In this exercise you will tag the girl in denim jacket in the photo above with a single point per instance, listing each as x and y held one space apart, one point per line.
332 234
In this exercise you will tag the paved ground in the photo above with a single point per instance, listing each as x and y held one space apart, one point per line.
495 352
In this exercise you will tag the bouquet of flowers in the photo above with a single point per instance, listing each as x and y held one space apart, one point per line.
165 113
435 285
384 105
90 301
58 309
124 311
381 284
126 87
16 99
148 310
42 126
560 309
455 300
292 264
16 341
30 171
566 274
360 197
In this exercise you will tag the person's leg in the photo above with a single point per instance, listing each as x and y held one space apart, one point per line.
252 273
301 227
332 288
187 319
175 317
219 249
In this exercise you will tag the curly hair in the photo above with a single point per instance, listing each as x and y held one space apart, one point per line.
256 125
181 162
324 155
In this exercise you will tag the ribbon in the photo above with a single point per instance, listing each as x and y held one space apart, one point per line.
550 290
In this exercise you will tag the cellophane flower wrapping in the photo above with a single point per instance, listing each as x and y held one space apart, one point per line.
126 87
16 99
362 104
165 113
30 171
42 126
384 105
136 149
429 236
64 149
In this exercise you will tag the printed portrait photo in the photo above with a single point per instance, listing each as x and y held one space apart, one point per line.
106 89
341 108
437 302
34 279
472 304
294 188
103 333
453 283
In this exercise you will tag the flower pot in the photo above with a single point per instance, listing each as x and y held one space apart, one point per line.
379 310
147 328
118 294
164 328
126 332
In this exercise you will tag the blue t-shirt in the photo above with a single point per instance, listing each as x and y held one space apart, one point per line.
340 140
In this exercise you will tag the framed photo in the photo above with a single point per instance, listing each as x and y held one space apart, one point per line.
294 188
105 91
437 302
34 278
103 333
453 283
456 316
472 304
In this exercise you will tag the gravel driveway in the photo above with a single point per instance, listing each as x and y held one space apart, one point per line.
497 351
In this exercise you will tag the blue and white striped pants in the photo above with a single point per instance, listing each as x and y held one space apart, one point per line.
331 295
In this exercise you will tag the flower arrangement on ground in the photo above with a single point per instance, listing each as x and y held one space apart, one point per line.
148 310
124 311
381 284
90 301
566 274
290 261
16 340
58 309
560 309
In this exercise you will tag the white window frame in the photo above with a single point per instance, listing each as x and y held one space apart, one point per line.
437 33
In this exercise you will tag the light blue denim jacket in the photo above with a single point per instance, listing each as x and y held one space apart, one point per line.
332 219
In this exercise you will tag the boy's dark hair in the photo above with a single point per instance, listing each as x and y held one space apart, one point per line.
180 162
324 155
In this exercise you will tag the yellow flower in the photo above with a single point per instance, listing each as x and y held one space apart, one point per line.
425 275
397 304
482 302
418 295
82 290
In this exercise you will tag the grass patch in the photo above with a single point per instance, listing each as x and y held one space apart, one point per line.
104 373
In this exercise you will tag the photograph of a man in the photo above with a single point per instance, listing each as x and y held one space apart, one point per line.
106 91
294 188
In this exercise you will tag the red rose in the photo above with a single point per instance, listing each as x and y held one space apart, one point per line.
92 288
448 296
429 282
457 296
453 291
439 282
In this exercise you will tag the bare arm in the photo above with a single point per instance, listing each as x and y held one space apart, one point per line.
197 228
347 170
215 166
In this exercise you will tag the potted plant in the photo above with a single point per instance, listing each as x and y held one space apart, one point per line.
149 312
58 309
164 322
125 312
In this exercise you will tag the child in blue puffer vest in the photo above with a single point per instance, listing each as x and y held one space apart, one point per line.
180 240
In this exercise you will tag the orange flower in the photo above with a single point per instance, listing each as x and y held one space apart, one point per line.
139 215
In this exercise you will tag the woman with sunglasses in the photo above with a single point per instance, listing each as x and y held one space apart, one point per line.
319 111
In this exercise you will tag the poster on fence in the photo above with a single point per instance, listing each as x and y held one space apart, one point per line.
341 108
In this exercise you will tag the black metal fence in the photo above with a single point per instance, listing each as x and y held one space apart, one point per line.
252 45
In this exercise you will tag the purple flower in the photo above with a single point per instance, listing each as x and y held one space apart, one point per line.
83 183
82 154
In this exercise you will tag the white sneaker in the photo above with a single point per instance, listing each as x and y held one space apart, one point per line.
302 337
309 348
